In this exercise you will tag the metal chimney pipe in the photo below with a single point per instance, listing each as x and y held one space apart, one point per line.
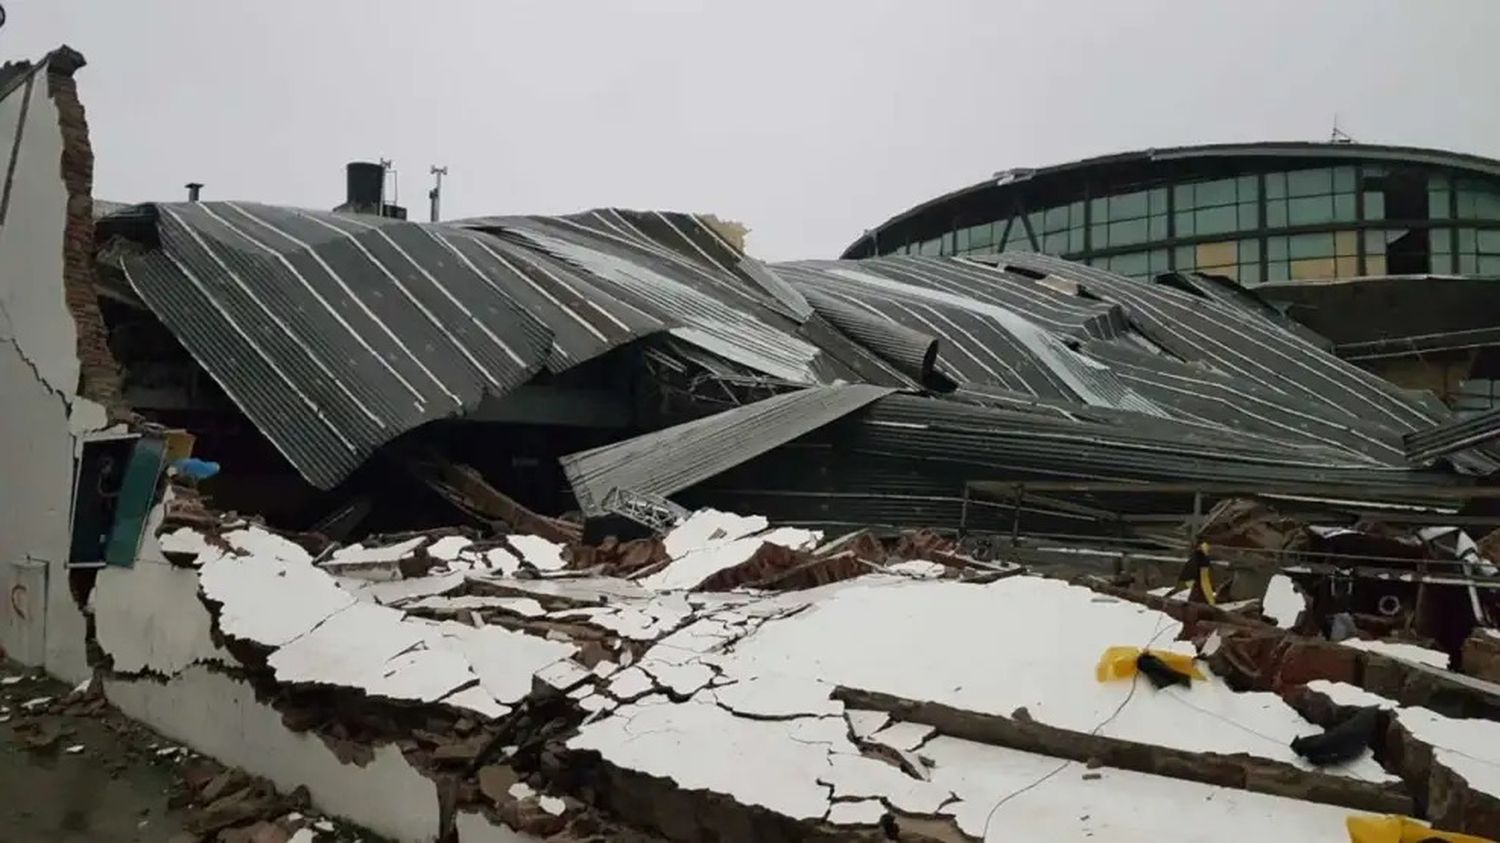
194 189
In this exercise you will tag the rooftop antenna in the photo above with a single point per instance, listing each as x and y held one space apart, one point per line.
436 193
1339 135
386 165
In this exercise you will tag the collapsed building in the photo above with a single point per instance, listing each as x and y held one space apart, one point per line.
431 519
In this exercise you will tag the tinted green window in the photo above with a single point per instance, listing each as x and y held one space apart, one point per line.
1468 264
1276 248
1466 240
947 247
1310 210
1375 205
1343 179
1128 206
1158 227
1156 261
1099 236
1182 257
1438 240
1488 265
1127 232
1215 220
1249 251
1158 200
1210 193
982 236
1488 241
1442 263
1098 210
1131 263
1275 185
1055 243
1055 219
1278 271
1075 239
1249 214
1249 188
1310 245
1276 213
1183 220
1487 206
1309 182
963 239
930 247
1343 207
1182 196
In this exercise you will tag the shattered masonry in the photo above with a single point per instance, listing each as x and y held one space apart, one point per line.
436 524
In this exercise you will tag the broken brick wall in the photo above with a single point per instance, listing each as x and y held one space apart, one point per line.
44 164
99 376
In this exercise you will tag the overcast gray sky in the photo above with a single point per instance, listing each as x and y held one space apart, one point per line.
808 120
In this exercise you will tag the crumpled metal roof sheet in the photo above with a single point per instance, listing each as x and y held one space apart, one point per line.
334 334
1448 440
670 460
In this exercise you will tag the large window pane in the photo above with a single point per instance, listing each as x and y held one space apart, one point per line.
1249 251
1211 193
1157 261
1128 206
1055 243
1345 243
1131 263
1183 258
1157 203
1310 210
1275 185
1276 213
1310 246
982 236
1488 241
1127 232
1158 227
1343 179
1313 268
1344 207
1309 182
1276 248
1375 206
1278 271
1098 210
963 239
1099 237
1215 220
1075 239
1249 188
1183 220
1249 214
1222 253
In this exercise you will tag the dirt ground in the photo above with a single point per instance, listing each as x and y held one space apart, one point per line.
72 769
88 783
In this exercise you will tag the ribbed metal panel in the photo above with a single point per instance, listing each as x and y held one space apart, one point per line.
333 335
1478 430
913 352
667 461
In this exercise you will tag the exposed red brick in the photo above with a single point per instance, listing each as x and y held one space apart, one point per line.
99 372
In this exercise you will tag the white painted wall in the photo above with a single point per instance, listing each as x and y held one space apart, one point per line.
38 377
220 717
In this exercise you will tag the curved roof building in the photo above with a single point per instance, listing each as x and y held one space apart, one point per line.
1253 212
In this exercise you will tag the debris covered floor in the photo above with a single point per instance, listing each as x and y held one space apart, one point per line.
517 689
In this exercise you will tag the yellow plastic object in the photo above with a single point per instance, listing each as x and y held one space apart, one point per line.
1208 584
1394 829
1119 663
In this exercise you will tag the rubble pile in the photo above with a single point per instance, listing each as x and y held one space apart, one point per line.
733 680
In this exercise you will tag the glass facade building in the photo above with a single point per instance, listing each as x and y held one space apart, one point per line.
1254 213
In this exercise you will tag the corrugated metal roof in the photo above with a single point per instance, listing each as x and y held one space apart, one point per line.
1443 440
335 334
670 460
